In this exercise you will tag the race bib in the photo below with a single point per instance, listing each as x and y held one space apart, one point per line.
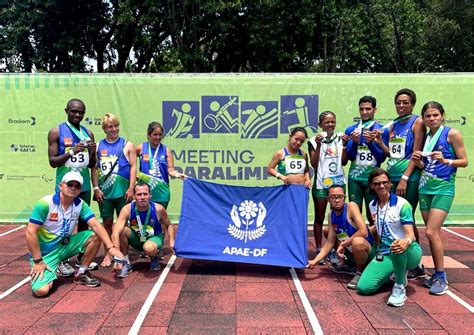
106 164
294 165
365 157
149 232
79 160
396 146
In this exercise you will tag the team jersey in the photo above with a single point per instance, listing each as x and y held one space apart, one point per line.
57 223
292 164
344 229
154 171
116 184
69 136
330 170
364 157
436 177
401 149
390 219
153 226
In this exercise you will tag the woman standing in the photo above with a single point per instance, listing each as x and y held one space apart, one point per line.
326 152
397 250
156 165
443 152
290 164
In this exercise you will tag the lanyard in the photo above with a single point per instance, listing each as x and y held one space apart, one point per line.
379 224
83 136
431 140
143 227
153 158
66 221
365 124
330 139
397 120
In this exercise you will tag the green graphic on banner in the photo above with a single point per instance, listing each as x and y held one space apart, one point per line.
223 128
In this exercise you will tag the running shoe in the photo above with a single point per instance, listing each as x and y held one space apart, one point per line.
126 269
354 281
86 279
439 286
332 258
65 269
343 268
418 272
398 296
155 263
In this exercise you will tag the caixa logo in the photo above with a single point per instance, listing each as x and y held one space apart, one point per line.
93 121
249 119
23 148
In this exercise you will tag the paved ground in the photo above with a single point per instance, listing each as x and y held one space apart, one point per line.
208 297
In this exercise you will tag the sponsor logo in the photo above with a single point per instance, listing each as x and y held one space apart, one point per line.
93 121
53 217
46 178
67 141
1 176
31 121
23 148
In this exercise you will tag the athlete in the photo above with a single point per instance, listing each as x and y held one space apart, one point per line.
290 164
50 235
115 174
364 152
141 224
397 250
443 152
157 165
348 231
326 152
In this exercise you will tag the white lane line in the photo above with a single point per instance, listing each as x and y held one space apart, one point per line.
457 234
313 320
11 231
149 300
459 300
15 287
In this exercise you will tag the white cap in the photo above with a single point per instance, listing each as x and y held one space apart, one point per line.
73 175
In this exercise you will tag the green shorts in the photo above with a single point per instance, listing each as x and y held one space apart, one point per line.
351 259
360 191
86 196
438 201
109 205
411 193
134 240
60 253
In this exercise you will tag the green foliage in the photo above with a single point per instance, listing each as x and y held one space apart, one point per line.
236 36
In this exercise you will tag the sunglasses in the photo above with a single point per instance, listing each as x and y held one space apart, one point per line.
74 184
336 197
379 183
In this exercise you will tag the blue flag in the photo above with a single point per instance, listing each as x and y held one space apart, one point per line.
261 225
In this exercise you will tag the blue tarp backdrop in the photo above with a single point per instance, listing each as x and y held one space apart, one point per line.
261 225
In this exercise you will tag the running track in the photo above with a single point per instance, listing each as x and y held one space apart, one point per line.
208 297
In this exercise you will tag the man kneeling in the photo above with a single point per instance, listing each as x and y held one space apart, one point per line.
144 230
347 226
50 237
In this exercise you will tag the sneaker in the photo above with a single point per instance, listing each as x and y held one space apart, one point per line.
155 263
143 255
126 269
87 279
418 272
354 281
161 254
92 266
428 282
343 268
332 258
65 269
398 296
439 286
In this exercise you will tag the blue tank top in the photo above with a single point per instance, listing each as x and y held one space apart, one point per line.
343 225
157 159
437 169
153 222
405 130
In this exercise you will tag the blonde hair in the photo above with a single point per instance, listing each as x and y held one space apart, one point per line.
109 118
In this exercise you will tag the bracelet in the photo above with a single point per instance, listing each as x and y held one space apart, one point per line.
178 175
95 188
37 261
404 177
110 247
450 162
278 175
409 240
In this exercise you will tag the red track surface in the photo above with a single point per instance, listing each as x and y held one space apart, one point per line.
200 297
